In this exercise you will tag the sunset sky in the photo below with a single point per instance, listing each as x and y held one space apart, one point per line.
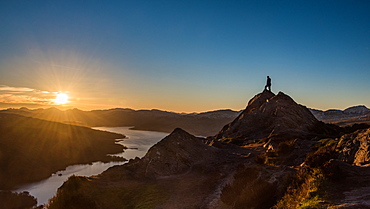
183 56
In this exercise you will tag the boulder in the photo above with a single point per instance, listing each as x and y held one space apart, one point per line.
354 148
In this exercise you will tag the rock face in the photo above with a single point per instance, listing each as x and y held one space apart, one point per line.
355 148
352 165
268 114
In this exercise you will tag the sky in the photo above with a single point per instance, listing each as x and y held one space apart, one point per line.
183 56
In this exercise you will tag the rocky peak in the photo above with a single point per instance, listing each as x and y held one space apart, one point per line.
176 154
258 100
268 114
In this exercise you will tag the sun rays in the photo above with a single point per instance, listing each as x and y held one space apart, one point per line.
61 98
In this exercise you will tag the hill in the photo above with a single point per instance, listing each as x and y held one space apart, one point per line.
268 116
274 154
32 149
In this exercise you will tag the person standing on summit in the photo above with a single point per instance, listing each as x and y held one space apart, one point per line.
268 84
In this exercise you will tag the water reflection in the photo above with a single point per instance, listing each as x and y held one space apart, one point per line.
138 143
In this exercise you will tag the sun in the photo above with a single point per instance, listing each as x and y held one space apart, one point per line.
61 98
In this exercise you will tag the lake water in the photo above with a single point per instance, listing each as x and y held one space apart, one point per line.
138 143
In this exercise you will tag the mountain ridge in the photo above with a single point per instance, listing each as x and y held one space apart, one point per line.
165 121
362 108
348 116
204 124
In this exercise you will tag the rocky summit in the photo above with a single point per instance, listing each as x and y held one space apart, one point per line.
306 168
268 115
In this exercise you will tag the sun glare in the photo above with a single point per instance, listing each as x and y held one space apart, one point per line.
61 98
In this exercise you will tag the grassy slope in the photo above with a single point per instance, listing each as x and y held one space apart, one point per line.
32 149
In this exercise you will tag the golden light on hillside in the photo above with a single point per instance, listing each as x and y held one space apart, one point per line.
61 98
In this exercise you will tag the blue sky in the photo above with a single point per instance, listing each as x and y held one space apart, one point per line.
184 56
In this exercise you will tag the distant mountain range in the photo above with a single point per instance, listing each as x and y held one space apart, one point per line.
349 116
201 124
205 123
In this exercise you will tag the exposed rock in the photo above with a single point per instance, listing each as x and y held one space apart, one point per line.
354 148
350 172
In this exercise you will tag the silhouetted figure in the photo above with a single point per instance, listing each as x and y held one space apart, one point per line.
268 84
